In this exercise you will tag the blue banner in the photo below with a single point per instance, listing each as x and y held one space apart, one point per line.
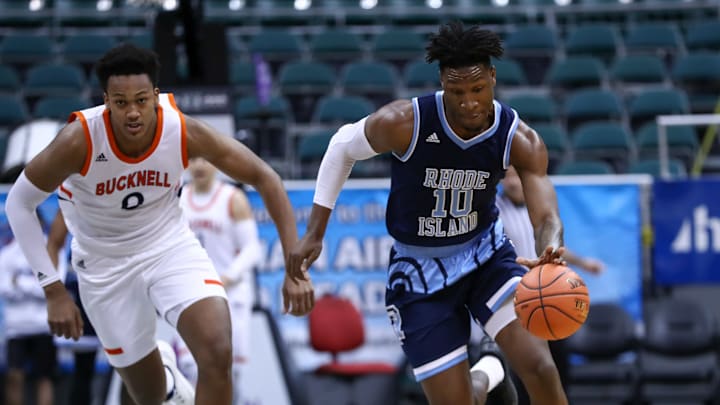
686 221
603 221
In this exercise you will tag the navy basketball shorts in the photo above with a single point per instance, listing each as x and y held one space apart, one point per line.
434 328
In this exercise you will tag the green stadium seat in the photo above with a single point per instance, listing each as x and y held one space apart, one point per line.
267 123
509 73
652 167
533 46
590 105
638 69
336 46
141 40
681 140
606 141
576 71
600 41
703 36
556 141
13 112
700 67
86 48
310 151
276 47
534 108
9 80
377 81
420 75
341 110
303 83
58 108
397 46
54 80
699 74
652 37
584 167
242 77
651 103
23 49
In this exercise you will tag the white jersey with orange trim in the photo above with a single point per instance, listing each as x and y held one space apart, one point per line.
210 218
119 205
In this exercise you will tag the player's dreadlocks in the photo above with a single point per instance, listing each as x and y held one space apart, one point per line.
454 46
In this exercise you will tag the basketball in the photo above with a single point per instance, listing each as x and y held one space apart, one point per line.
552 301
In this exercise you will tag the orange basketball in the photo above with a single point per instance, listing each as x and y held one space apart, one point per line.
552 301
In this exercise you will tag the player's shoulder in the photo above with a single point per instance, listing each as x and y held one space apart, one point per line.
73 134
394 115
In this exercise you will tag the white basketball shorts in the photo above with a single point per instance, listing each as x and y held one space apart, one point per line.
124 295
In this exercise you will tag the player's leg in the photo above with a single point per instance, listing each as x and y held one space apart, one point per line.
530 358
434 330
205 328
493 307
15 377
188 294
124 319
490 373
44 359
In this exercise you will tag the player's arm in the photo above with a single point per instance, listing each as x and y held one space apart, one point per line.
388 129
245 234
56 237
529 157
237 161
64 156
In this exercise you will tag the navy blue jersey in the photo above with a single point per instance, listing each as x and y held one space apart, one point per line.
443 188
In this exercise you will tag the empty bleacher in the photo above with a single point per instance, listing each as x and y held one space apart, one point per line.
569 66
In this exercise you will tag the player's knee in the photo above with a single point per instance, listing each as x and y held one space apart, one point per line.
542 368
215 356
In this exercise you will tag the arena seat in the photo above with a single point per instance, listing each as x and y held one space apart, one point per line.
377 81
607 141
575 72
58 108
638 69
597 40
678 360
303 83
650 103
608 344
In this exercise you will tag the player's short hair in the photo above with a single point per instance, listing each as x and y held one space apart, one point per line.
454 46
127 59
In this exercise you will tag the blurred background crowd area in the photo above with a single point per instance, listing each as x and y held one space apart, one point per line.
590 76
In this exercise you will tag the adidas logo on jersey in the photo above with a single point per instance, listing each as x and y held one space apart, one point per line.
81 263
433 138
101 158
41 276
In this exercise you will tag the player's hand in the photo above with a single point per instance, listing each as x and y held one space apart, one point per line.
63 315
298 295
549 255
302 256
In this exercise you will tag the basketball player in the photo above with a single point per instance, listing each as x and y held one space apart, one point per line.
221 218
117 168
451 259
515 218
29 342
